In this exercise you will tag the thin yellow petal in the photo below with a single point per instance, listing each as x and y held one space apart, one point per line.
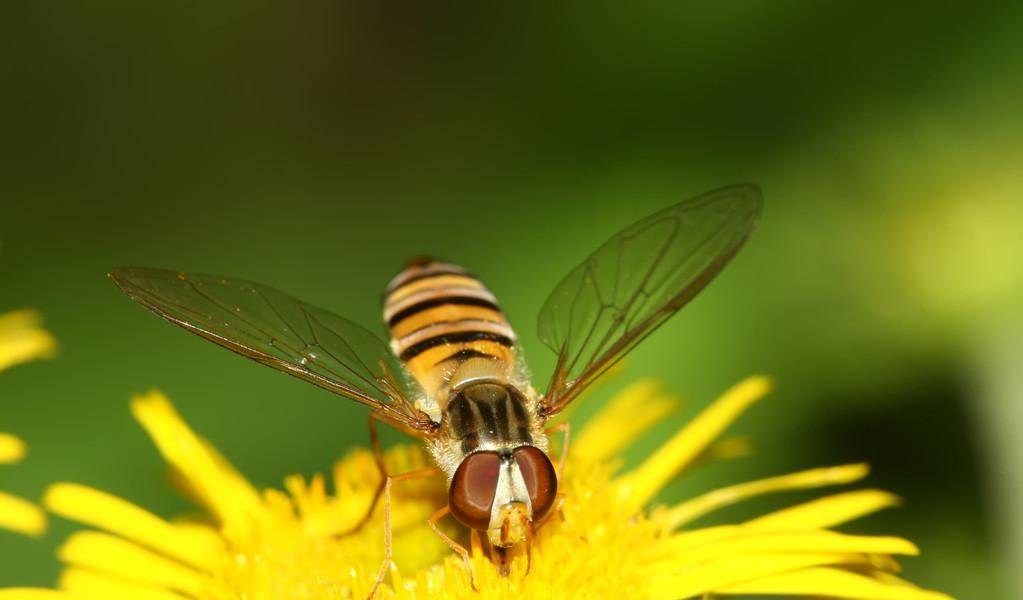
734 570
726 449
629 413
687 511
826 512
681 542
104 511
641 484
21 515
789 542
690 542
885 577
122 559
232 499
23 339
42 594
89 582
12 449
833 583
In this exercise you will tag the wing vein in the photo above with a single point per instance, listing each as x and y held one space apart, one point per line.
652 269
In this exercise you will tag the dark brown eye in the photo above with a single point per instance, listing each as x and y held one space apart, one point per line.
541 480
471 495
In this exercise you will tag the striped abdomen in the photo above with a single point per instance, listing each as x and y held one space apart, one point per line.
446 327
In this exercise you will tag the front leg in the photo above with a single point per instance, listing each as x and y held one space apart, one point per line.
384 491
566 429
378 458
458 548
389 480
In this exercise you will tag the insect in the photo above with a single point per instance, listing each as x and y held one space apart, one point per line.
453 373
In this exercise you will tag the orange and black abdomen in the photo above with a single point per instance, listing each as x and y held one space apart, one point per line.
445 326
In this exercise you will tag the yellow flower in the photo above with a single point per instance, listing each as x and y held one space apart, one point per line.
21 339
601 543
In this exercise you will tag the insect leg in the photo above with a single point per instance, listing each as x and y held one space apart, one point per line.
389 480
458 548
566 429
529 543
475 543
378 457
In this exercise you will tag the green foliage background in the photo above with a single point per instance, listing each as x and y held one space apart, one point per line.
315 147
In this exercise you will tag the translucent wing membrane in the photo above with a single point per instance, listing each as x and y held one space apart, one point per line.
282 332
637 280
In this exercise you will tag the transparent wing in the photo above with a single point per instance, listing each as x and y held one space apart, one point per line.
637 280
282 332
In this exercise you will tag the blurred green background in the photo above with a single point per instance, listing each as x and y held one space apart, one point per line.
315 147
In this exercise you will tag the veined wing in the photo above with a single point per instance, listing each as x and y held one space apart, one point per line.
637 280
282 332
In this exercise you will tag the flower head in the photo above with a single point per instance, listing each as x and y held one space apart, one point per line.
601 542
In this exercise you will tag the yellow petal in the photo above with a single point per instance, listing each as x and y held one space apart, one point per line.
88 582
833 583
726 449
629 413
826 512
22 339
122 559
641 484
42 594
734 570
680 543
21 516
104 511
687 511
789 542
885 577
12 449
231 498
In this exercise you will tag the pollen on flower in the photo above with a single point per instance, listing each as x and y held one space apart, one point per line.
602 541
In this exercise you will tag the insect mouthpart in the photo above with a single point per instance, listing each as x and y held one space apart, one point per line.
514 522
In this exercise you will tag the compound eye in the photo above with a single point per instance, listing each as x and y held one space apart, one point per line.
471 495
541 480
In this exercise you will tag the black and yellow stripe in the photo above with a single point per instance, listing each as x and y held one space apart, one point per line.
489 416
443 322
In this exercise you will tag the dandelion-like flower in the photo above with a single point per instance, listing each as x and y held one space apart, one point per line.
22 339
602 542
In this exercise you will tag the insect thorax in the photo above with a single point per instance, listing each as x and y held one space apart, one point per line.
492 416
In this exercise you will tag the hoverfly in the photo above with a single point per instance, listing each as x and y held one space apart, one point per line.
452 373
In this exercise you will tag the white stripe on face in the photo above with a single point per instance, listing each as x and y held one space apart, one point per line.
511 487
